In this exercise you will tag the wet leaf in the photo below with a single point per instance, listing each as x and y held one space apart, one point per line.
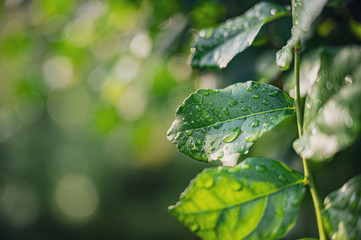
222 124
257 199
332 116
216 47
305 12
342 213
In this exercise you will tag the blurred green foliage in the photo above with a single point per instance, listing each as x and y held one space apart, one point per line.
88 90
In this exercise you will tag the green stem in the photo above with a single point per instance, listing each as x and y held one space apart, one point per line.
316 200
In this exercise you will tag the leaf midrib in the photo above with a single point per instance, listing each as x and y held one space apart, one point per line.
248 199
237 118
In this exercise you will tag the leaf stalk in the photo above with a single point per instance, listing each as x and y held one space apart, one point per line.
308 176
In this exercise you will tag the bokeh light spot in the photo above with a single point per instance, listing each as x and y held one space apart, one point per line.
132 104
58 72
69 108
20 204
76 197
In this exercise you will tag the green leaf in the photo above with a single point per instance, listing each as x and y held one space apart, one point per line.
305 12
222 124
342 213
332 116
216 47
257 199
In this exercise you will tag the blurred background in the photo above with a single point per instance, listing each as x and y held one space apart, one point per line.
88 90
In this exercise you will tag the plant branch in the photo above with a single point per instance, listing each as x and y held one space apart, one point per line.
316 201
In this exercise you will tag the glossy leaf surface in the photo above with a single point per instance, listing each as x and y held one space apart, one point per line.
222 124
342 213
332 116
216 47
305 12
257 199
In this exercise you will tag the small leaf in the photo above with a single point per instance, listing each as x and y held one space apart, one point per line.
342 213
216 47
305 12
222 124
332 116
257 199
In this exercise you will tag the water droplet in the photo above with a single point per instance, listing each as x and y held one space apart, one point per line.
220 155
192 122
244 165
282 178
209 118
189 132
204 130
250 87
255 123
256 85
225 34
264 90
265 102
254 136
236 185
244 109
212 149
255 96
232 136
348 79
194 227
205 180
273 11
179 134
354 199
273 94
273 117
212 143
202 33
225 111
218 126
198 108
260 168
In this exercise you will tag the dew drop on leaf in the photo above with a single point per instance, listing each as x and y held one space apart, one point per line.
205 180
250 88
189 132
265 102
255 96
282 178
255 123
194 227
198 108
209 118
260 168
179 134
253 137
236 185
273 94
232 136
